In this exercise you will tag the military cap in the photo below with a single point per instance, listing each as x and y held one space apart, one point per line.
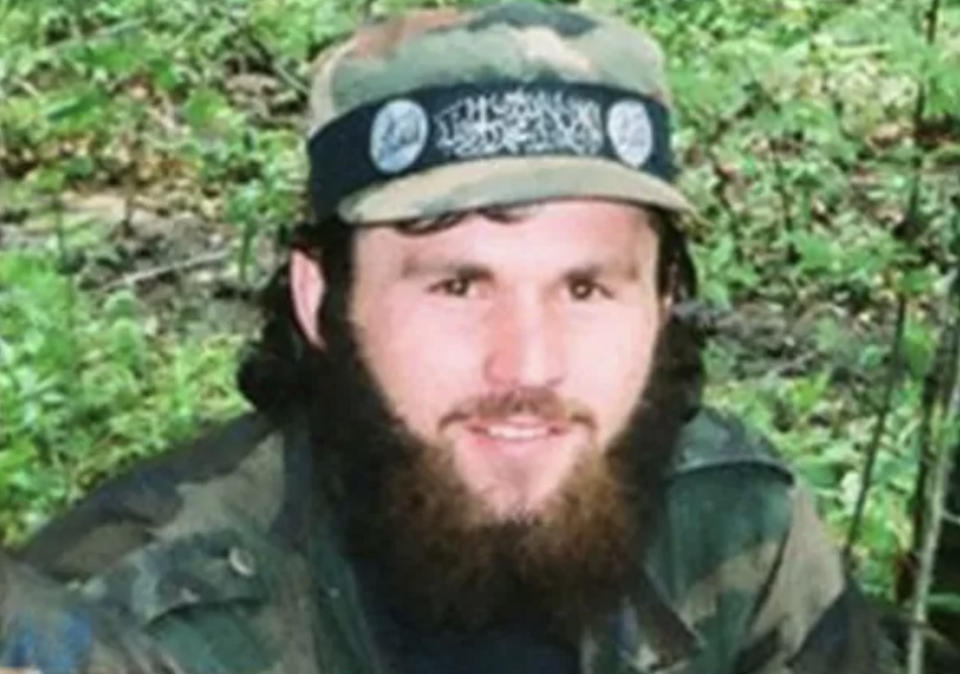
437 111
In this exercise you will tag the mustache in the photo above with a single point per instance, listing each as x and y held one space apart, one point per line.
528 401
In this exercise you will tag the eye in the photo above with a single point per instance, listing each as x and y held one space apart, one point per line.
458 286
583 290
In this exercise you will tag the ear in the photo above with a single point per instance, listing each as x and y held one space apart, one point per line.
306 289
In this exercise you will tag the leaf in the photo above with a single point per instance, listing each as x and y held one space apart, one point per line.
919 344
77 106
205 109
115 59
918 282
816 252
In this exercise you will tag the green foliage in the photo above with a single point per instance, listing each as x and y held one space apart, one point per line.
87 387
795 131
800 137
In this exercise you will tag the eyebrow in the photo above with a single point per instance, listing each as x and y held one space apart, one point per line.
629 271
416 267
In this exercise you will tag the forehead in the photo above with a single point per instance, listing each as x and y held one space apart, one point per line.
574 231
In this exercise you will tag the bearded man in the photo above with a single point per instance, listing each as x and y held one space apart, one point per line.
479 444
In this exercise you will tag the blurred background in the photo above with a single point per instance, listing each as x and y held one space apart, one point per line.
151 160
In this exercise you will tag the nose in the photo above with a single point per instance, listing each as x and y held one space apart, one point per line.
525 345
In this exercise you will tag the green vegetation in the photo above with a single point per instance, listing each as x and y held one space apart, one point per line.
90 382
151 151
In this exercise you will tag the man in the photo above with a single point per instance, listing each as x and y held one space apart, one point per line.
479 445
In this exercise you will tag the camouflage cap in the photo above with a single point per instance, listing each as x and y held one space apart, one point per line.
436 111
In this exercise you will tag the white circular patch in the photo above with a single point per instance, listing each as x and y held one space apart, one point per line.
630 132
398 135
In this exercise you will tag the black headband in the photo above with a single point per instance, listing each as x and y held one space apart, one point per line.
445 125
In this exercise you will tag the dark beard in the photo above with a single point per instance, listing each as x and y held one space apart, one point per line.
406 514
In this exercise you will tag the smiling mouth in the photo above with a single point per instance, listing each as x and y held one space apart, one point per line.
515 433
519 430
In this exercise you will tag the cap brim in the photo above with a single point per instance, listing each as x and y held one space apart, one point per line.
504 181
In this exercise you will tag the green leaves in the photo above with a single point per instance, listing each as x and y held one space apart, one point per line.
85 385
801 158
207 110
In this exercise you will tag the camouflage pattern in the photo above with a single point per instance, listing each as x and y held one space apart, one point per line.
216 559
45 628
504 43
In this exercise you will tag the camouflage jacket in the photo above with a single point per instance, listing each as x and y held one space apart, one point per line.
214 559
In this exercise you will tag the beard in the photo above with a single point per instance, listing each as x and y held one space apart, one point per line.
440 558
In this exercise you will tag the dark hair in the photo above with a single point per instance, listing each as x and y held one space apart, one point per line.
274 371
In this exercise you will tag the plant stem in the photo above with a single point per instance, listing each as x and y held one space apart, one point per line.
893 372
909 230
934 497
935 500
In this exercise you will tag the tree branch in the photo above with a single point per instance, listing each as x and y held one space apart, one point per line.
212 258
935 496
873 449
935 514
908 230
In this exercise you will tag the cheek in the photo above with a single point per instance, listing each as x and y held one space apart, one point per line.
610 362
424 362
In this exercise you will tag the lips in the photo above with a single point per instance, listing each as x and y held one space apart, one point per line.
513 463
517 430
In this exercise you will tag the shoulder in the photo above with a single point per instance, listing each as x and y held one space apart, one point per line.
727 509
232 471
727 488
713 442
179 544
736 532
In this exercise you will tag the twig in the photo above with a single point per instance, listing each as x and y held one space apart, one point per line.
936 495
27 87
270 60
933 384
781 186
935 394
935 502
908 231
104 33
893 374
292 81
203 260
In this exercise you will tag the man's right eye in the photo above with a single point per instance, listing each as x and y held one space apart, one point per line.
459 286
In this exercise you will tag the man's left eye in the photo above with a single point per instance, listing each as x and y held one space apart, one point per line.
586 289
458 286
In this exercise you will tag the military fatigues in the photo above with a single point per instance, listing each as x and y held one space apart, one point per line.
217 559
